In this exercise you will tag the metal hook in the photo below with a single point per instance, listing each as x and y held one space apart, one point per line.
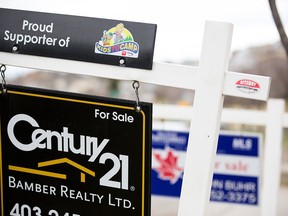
2 71
136 86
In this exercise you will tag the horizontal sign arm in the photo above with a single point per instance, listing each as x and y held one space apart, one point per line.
173 75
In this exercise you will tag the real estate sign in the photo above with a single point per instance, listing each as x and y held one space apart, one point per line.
113 42
71 154
236 172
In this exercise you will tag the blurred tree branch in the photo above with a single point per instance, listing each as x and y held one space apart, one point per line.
279 25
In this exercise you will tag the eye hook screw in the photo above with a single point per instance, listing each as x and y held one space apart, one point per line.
136 86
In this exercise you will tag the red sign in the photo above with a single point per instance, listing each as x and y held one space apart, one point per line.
247 86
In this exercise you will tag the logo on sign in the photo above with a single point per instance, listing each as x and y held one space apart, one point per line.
247 86
168 168
89 146
117 41
168 148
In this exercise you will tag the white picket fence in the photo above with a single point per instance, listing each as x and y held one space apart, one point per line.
274 119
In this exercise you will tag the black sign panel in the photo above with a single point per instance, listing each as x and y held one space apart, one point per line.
113 42
73 155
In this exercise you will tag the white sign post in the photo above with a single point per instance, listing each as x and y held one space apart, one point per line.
205 123
206 117
272 157
211 81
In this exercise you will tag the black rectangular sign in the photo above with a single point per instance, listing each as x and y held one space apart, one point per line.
112 42
65 154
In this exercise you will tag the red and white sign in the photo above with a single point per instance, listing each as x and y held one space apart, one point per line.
247 86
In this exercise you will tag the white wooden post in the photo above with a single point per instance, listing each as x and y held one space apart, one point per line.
205 122
272 157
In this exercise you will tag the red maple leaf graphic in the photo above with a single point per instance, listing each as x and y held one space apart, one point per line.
168 169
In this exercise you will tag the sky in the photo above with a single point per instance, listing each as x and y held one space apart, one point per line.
180 23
